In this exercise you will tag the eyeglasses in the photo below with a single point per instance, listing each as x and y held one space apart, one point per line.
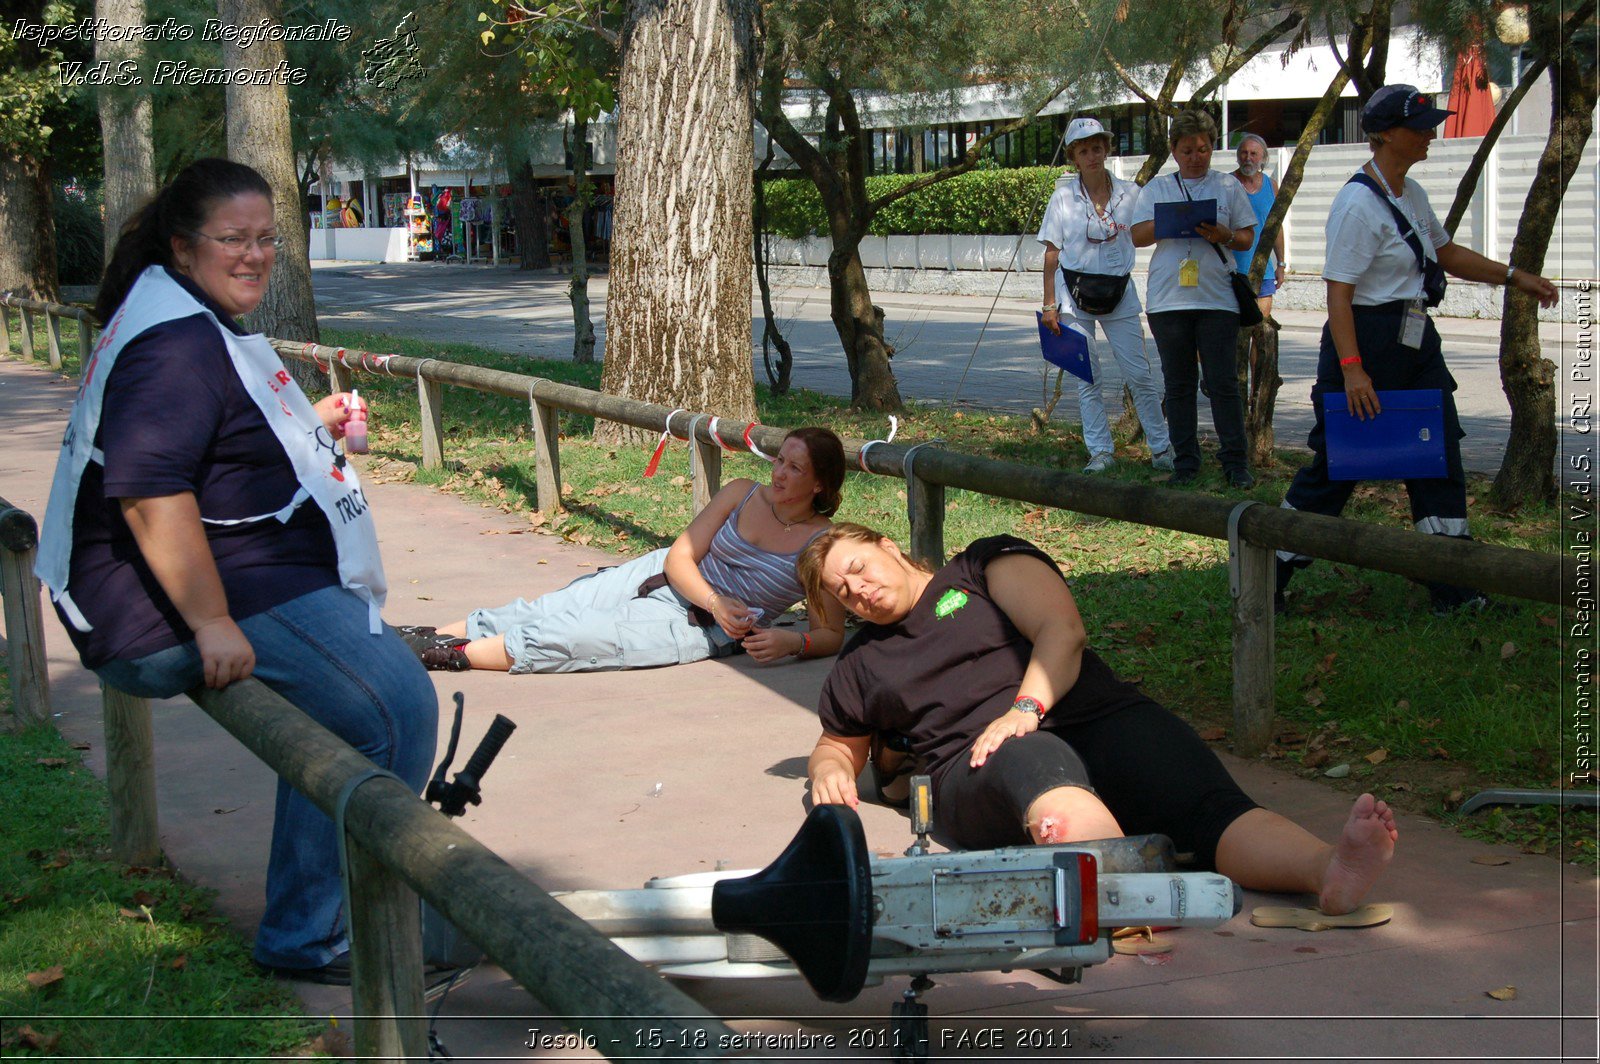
241 245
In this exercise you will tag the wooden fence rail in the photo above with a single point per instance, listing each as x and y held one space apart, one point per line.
30 673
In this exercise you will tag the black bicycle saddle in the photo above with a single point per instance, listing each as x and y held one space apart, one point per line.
814 903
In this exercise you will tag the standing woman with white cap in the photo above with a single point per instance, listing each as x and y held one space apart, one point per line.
1385 264
1085 235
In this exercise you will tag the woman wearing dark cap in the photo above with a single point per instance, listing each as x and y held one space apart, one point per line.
1386 257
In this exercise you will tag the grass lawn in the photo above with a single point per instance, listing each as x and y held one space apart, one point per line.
101 960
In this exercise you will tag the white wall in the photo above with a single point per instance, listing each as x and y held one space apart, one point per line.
359 245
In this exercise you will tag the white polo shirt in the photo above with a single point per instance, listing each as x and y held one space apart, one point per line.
1089 243
1364 247
1215 290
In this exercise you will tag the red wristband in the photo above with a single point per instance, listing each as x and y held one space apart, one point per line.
1353 360
805 644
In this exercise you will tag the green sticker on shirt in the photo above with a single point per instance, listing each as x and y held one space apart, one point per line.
949 602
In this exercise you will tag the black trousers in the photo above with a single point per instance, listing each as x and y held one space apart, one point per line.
1213 335
1438 504
1148 767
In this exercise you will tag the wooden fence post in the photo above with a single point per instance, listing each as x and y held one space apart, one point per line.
85 343
547 454
430 397
5 329
30 672
707 469
131 778
386 958
27 333
52 333
1252 578
339 376
925 510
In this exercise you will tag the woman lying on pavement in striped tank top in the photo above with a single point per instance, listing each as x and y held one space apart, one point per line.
718 588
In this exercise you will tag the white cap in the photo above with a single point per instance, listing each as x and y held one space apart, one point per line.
1084 128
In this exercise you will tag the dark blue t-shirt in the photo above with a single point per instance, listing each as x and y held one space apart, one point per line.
176 418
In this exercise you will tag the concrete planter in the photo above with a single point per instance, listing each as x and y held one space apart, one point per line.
902 251
998 252
966 252
933 252
874 252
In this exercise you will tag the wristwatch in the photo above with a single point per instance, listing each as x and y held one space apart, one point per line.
1029 705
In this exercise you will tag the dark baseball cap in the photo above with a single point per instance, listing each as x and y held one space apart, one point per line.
1401 105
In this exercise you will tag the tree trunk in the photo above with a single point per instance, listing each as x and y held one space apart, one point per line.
258 136
1527 376
578 290
1257 357
678 317
125 125
528 215
27 239
771 336
860 327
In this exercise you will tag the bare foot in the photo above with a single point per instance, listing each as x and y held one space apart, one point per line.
1359 857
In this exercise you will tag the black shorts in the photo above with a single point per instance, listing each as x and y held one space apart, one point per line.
1149 768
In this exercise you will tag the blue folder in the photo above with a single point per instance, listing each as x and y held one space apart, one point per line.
1070 350
1405 440
1177 220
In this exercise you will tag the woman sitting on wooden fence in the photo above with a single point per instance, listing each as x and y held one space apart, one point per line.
1029 735
204 527
717 588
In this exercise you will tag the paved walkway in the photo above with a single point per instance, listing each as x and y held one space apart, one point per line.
613 778
935 336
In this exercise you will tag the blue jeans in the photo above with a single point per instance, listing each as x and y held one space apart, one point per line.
370 691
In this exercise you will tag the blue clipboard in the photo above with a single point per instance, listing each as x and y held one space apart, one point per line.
1405 440
1070 350
1177 220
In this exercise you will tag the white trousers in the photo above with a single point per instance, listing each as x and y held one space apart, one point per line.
1125 336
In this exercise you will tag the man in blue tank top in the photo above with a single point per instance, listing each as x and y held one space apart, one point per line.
1263 193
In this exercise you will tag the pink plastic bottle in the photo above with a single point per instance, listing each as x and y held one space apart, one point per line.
355 429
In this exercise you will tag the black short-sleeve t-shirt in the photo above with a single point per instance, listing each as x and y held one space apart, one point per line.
176 418
952 666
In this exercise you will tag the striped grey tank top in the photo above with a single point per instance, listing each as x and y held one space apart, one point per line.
756 577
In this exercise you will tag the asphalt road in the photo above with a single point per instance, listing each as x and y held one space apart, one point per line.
976 351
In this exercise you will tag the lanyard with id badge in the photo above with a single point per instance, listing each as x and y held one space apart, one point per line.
1414 323
1189 267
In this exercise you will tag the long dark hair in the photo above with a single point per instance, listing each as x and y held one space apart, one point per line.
827 465
179 209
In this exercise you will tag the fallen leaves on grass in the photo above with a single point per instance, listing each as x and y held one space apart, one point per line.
47 977
1505 993
51 762
28 1038
1212 735
1491 859
1378 756
1508 650
1315 697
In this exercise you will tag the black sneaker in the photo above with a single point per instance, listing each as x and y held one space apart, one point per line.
443 657
418 637
335 973
1182 477
1242 479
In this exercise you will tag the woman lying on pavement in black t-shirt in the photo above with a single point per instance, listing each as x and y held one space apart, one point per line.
984 666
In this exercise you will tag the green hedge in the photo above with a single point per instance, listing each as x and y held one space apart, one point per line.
1001 202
